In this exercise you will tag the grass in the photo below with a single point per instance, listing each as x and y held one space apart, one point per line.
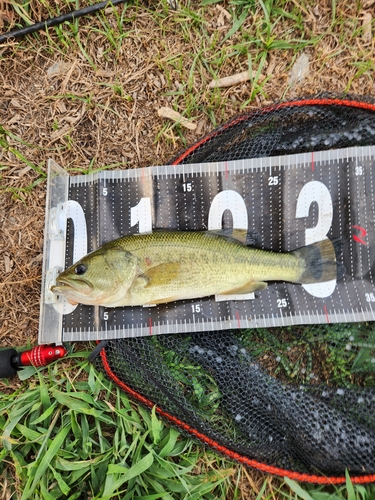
66 431
70 434
341 354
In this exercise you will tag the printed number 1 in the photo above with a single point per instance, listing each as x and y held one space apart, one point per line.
142 213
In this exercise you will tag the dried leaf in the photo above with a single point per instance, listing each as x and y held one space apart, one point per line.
300 70
59 133
58 68
223 14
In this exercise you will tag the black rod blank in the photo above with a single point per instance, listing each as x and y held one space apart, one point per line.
55 21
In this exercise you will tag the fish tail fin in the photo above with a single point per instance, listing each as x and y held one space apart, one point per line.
319 261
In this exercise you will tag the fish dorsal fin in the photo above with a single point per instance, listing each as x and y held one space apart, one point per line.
244 236
251 286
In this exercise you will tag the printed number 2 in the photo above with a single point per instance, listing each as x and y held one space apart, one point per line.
317 192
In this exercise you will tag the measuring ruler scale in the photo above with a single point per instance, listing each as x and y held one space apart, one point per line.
286 202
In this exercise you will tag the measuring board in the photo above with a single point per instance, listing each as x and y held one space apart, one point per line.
287 202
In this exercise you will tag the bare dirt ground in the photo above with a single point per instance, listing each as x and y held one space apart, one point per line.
93 104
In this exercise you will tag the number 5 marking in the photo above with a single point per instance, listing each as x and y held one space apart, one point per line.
311 192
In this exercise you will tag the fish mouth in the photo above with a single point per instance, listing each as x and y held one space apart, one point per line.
64 286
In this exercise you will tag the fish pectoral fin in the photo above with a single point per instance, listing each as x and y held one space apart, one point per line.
251 286
140 282
163 274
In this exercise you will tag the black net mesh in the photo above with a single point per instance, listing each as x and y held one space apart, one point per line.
286 400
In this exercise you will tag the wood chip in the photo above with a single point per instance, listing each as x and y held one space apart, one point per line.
59 133
60 106
16 104
8 264
366 25
228 81
165 112
15 119
24 171
106 74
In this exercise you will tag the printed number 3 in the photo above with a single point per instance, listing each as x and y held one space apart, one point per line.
317 192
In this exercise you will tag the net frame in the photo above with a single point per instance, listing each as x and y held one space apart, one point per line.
325 100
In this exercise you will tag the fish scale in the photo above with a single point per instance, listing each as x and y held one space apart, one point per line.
285 202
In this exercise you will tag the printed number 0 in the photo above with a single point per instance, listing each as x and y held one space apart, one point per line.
228 200
317 192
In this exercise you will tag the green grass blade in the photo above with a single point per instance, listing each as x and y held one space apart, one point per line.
237 23
298 490
126 474
44 463
350 487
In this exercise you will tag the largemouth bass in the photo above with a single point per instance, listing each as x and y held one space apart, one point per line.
164 266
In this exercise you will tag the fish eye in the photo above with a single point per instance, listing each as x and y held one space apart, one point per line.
80 269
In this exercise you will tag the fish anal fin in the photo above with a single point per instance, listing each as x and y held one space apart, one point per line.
161 301
251 286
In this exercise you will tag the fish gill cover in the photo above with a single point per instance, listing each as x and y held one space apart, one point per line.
298 400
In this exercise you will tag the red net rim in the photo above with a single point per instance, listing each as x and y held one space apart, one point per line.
269 109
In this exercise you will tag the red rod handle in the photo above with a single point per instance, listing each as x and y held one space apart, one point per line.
41 355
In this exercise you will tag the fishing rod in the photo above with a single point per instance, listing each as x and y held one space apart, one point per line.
55 21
